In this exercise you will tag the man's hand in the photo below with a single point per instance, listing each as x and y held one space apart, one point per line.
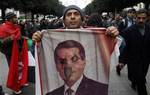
119 68
121 65
112 31
36 37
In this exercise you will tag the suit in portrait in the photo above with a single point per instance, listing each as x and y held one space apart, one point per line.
86 87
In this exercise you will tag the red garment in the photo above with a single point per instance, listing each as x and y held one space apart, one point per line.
18 73
13 75
9 29
24 59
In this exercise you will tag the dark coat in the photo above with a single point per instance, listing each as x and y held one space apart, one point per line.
87 87
136 54
1 90
124 24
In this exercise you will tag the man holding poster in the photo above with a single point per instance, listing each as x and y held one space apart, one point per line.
73 30
73 18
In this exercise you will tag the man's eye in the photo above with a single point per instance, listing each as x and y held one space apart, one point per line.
75 58
141 17
76 13
68 14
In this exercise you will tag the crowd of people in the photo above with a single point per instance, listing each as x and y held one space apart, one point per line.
132 27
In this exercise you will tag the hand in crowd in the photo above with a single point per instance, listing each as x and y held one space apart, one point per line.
121 65
37 36
112 31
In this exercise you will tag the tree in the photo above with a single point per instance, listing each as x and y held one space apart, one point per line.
113 5
34 6
8 4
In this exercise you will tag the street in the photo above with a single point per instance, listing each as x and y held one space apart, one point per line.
120 85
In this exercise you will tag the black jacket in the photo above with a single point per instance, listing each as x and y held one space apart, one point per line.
137 46
136 53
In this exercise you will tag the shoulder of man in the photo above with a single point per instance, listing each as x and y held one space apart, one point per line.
93 83
126 32
57 91
147 24
92 87
125 22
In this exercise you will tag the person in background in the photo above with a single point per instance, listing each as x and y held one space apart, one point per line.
94 20
136 52
10 31
128 21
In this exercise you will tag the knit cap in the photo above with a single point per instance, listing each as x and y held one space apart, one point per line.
73 7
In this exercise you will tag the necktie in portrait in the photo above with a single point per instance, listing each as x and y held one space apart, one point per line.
69 91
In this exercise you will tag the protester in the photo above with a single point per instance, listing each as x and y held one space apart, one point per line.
73 18
9 31
136 53
128 21
95 20
15 50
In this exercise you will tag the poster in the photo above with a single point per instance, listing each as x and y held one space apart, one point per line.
98 49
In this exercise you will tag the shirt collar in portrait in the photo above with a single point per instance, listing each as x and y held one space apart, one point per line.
75 86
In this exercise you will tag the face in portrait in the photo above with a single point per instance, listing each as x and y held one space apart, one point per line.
70 61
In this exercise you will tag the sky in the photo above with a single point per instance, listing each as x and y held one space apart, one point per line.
80 3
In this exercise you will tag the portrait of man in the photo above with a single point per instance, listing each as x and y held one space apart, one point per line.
69 56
